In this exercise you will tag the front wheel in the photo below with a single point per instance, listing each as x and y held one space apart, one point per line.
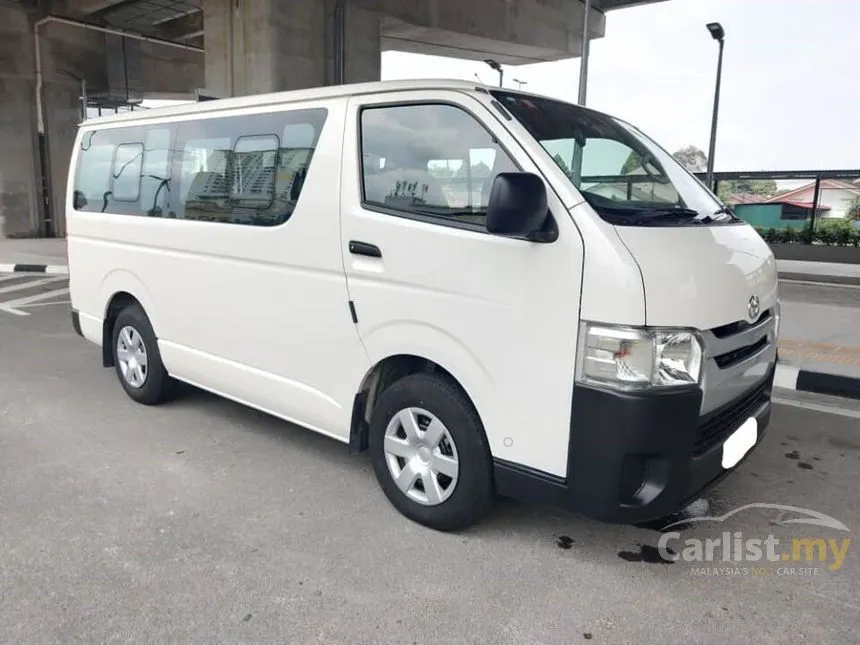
430 453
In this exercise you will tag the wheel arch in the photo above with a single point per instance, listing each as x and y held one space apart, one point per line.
119 289
382 375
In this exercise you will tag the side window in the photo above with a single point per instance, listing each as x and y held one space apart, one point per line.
155 174
429 160
124 171
125 178
244 169
92 177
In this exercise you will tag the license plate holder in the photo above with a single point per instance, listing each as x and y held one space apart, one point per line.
739 443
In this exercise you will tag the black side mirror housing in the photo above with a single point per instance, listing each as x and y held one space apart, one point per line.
517 206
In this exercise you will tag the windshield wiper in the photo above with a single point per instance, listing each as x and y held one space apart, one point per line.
645 215
665 214
724 210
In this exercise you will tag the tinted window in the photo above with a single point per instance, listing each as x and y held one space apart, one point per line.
125 178
124 170
244 170
241 170
429 160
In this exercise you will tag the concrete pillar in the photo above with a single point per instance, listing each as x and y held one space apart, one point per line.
363 62
19 191
272 46
69 54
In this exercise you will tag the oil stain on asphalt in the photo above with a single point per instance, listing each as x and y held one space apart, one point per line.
647 553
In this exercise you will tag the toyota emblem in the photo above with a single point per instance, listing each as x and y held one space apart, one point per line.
753 307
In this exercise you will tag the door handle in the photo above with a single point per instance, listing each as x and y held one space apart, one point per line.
363 248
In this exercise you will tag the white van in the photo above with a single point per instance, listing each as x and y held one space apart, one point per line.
491 291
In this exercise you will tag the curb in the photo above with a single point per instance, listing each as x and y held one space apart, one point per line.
820 278
49 269
801 380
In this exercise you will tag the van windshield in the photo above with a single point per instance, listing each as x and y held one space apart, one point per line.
626 177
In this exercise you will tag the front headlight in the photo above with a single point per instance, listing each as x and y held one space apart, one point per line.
639 357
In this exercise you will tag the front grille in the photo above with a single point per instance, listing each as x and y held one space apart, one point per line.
715 427
724 331
741 353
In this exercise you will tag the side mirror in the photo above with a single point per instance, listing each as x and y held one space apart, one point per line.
517 206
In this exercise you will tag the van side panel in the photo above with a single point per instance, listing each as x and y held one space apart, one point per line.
259 314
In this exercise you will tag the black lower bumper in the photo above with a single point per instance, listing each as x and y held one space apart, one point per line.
635 457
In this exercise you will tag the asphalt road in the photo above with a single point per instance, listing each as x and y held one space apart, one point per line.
203 521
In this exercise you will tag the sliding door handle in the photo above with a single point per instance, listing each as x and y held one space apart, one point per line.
363 248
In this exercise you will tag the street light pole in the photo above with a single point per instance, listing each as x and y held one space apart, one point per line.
719 35
496 67
583 55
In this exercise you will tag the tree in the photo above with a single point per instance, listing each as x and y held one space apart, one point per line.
692 159
763 188
697 161
632 163
853 212
561 163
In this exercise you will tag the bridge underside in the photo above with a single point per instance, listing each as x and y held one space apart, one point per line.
57 56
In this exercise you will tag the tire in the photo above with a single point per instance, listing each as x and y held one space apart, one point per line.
150 385
459 500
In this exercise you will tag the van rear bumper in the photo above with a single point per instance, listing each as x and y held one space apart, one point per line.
636 457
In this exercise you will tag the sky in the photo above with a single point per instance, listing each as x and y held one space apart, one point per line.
790 97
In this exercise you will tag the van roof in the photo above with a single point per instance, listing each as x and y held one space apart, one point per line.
256 100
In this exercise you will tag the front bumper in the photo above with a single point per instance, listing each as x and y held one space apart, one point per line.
636 457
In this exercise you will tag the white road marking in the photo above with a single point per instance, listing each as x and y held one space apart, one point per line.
45 304
10 305
11 276
817 407
29 285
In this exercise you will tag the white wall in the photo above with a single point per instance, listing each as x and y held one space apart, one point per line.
837 199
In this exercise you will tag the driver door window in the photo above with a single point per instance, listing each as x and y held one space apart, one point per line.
432 161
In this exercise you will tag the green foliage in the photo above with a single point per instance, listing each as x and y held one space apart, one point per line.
692 159
764 188
632 163
835 232
854 210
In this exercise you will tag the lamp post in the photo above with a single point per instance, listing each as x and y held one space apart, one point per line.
719 35
496 67
519 83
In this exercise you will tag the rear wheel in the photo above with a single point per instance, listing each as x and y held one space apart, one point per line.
430 454
137 359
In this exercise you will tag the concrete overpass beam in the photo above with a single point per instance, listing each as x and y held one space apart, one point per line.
182 29
510 31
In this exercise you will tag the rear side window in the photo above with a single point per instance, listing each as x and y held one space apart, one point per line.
431 161
245 169
125 178
124 171
238 170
